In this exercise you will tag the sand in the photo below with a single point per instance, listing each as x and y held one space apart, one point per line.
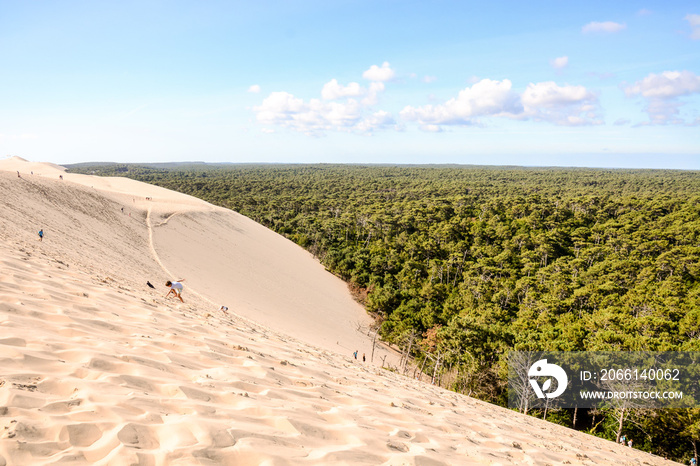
96 367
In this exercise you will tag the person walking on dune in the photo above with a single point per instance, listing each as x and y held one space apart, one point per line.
41 235
175 288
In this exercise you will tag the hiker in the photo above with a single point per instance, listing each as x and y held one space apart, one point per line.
364 358
41 235
223 308
175 288
18 175
629 443
355 354
693 462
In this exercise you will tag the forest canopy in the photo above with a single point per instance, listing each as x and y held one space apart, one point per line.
460 264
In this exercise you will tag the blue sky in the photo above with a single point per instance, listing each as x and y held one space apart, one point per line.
614 84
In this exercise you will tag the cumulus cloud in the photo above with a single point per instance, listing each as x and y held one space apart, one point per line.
668 84
663 93
332 90
346 108
382 74
378 120
372 95
254 89
560 62
279 106
353 108
312 117
560 105
603 27
485 98
694 21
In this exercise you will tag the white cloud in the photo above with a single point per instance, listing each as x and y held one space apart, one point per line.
279 106
663 92
372 97
622 122
485 98
332 90
378 120
549 94
254 89
694 21
352 107
604 26
312 117
429 79
375 73
560 62
338 110
561 105
668 84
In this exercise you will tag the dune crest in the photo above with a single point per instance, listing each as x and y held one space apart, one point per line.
98 368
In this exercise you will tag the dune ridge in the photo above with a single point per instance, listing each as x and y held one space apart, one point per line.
95 367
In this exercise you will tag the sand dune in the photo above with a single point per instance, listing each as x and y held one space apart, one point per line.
225 257
95 367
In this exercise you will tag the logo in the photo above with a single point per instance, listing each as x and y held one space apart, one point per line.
542 369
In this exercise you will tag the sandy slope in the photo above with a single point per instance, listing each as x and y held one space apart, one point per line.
223 256
97 367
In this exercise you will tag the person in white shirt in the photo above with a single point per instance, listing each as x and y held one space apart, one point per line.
175 288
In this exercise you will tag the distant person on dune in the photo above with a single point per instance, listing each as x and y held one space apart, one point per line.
41 235
175 288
